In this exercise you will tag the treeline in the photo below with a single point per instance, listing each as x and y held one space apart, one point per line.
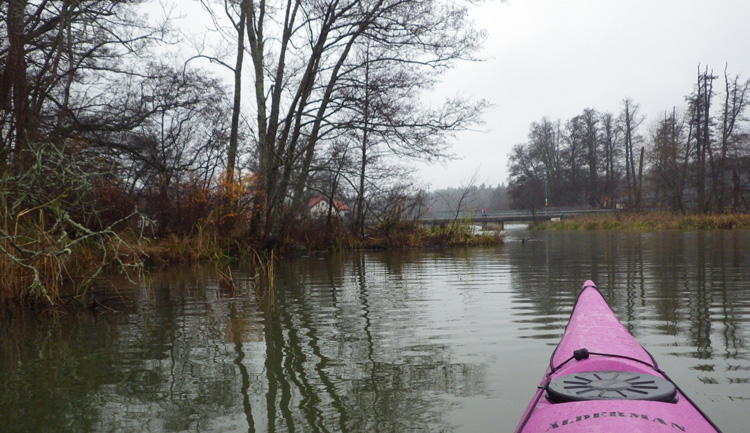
691 159
317 98
459 200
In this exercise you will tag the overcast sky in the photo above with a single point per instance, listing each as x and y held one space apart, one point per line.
554 58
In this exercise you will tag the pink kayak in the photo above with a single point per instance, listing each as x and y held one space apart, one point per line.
601 380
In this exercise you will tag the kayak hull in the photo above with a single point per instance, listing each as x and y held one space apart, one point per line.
616 416
594 348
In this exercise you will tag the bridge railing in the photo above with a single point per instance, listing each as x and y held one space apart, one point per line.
516 213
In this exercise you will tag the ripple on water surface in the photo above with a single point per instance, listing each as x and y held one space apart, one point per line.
452 340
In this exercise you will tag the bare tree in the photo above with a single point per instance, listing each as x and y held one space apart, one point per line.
591 142
583 151
629 122
383 118
669 155
14 98
300 51
59 58
701 130
463 197
735 103
527 181
546 146
183 135
329 173
397 205
688 163
229 21
574 159
610 136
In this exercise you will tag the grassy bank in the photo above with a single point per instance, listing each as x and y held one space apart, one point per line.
313 236
410 235
45 271
49 270
649 221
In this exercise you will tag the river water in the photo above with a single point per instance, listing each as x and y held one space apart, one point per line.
400 341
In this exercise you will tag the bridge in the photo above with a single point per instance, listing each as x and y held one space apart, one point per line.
506 216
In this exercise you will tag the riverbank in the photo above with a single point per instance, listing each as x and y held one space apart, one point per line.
312 237
649 221
52 271
454 234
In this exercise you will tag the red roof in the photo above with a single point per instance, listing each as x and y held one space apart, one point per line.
338 205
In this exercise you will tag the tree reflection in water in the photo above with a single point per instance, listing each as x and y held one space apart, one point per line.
393 341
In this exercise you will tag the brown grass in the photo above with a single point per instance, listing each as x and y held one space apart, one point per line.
650 221
173 249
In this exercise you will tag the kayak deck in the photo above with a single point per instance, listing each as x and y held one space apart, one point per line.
600 379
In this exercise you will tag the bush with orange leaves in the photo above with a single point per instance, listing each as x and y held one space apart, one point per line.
233 203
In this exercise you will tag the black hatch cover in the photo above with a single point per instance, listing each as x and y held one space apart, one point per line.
610 385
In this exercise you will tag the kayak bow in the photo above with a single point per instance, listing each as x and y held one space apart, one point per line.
601 380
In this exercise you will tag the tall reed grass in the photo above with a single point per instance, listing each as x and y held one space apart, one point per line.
41 266
459 233
52 239
264 262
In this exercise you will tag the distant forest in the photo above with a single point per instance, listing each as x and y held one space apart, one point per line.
695 158
469 198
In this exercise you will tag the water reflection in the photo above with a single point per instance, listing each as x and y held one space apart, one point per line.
390 342
344 356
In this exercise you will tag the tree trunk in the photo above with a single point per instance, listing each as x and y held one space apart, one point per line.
359 225
13 92
640 181
702 133
735 102
236 106
735 191
706 131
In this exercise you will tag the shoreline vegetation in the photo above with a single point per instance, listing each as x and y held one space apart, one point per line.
53 273
315 237
63 231
646 221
